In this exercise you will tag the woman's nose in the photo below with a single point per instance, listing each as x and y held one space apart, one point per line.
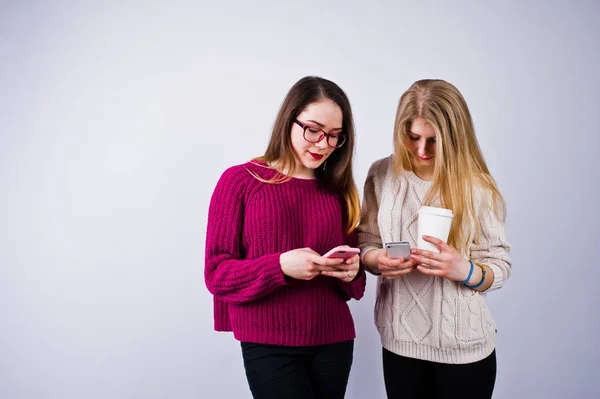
322 144
422 147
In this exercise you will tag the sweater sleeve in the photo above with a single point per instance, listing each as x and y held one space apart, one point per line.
368 229
491 248
354 289
228 276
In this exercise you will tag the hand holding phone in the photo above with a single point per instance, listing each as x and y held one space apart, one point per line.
347 271
394 260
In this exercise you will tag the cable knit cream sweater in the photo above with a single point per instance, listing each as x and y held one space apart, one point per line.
417 315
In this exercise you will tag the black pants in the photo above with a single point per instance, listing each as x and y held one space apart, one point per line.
408 378
307 372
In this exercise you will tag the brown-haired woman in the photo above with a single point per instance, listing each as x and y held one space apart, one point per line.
270 220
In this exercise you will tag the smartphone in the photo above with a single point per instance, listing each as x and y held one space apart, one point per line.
397 249
343 251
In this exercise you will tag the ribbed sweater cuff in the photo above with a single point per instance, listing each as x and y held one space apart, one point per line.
356 287
498 278
438 355
363 251
273 274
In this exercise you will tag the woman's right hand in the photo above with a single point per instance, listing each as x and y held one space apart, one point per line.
306 264
391 268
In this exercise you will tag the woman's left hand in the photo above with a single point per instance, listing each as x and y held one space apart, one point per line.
448 263
348 270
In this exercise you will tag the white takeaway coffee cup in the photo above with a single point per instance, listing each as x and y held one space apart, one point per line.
433 222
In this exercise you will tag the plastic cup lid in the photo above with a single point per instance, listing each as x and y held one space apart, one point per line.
437 211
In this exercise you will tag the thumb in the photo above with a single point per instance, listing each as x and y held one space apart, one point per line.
321 260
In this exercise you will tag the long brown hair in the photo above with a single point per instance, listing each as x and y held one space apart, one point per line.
337 177
460 169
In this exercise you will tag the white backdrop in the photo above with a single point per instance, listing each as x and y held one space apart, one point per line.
116 120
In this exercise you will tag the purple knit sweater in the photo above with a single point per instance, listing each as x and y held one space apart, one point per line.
250 223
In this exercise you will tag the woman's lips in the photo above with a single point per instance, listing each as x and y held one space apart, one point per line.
316 156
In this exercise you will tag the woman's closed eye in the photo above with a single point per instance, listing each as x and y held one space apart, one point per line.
417 138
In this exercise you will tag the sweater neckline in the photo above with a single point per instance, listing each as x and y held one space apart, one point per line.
276 172
413 178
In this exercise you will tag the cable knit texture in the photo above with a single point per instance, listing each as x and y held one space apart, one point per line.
421 316
250 223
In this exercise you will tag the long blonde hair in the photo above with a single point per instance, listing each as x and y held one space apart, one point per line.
459 169
338 176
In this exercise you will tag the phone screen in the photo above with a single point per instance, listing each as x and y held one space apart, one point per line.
397 249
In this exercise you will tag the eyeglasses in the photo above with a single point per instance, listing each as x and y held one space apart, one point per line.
314 135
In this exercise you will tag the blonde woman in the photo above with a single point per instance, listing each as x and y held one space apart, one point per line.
269 223
437 333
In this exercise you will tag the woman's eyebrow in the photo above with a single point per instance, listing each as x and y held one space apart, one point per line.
318 123
322 125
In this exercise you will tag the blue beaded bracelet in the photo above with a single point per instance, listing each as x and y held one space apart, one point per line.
483 271
469 276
